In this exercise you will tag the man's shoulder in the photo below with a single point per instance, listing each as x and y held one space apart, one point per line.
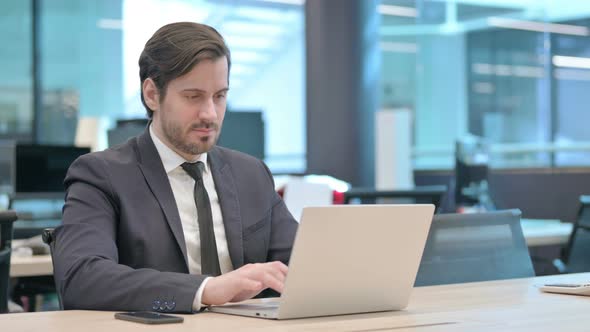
122 154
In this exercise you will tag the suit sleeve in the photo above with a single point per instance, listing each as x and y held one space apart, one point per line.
87 269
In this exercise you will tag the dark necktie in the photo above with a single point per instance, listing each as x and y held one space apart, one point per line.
209 260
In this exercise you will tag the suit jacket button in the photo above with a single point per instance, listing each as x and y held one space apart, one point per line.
170 306
156 305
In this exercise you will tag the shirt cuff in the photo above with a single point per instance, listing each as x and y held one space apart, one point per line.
197 305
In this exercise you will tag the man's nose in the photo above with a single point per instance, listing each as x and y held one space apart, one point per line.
208 111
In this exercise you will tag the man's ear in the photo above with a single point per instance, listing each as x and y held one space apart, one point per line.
151 94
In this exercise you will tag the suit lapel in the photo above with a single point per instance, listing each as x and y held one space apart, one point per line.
153 171
230 206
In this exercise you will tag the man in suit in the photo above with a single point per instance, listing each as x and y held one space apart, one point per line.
168 221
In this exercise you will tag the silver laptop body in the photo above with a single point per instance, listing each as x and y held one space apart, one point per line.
348 259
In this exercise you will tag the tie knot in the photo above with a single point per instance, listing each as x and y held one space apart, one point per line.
195 170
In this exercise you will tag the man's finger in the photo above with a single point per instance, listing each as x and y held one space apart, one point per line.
280 266
271 281
277 273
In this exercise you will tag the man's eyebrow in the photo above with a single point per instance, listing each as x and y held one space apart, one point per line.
199 90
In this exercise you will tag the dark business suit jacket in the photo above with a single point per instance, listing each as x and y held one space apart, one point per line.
121 245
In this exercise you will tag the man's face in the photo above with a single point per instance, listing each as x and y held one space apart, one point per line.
190 116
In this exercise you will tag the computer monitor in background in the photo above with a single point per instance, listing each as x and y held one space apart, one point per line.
39 192
126 129
244 132
41 169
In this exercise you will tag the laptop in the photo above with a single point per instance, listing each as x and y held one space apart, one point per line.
348 259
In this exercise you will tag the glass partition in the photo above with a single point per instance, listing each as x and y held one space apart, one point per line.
512 72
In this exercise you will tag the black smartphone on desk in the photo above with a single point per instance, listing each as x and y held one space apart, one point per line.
148 317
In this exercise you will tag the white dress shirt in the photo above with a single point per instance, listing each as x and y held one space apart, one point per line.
183 189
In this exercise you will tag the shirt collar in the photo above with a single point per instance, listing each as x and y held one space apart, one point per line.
170 158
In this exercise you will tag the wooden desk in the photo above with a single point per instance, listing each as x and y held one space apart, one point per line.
31 266
539 232
509 305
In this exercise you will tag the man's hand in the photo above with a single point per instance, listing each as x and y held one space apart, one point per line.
244 283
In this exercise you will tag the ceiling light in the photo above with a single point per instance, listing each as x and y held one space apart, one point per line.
565 29
397 11
571 61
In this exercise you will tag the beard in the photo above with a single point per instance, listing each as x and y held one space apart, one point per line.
175 134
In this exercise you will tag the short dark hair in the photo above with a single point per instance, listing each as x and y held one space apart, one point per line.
174 50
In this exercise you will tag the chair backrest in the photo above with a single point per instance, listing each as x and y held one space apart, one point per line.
48 236
577 252
7 218
474 247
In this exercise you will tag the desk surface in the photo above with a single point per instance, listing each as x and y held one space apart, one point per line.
508 305
30 266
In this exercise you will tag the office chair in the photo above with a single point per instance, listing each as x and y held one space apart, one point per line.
417 195
576 256
474 247
48 237
7 218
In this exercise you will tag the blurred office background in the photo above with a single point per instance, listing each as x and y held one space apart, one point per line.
486 99
514 73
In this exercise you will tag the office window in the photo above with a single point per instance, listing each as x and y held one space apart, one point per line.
88 54
512 72
16 84
571 76
80 67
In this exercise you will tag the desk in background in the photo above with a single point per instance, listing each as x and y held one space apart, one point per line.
541 232
546 240
31 266
507 305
